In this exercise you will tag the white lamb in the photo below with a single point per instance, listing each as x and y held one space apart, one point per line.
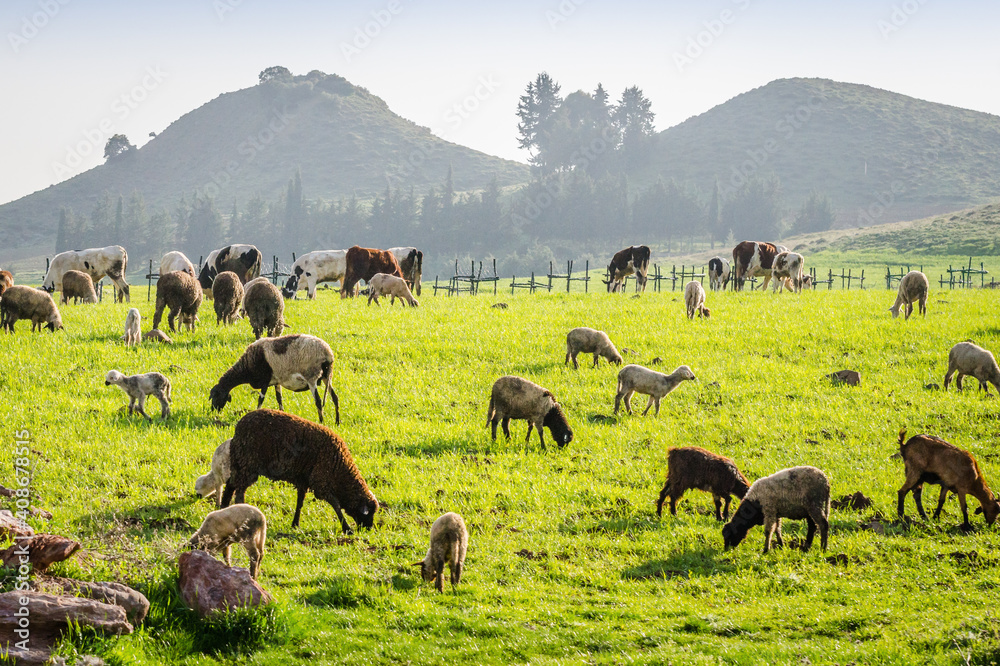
242 524
139 386
637 379
212 484
913 288
133 328
694 299
383 284
449 543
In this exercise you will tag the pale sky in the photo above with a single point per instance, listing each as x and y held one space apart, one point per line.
74 70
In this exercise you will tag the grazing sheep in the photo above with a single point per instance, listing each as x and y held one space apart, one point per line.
139 386
295 362
228 295
637 379
158 335
133 326
78 286
912 288
284 447
211 484
20 302
242 524
517 398
694 468
6 281
383 284
932 460
967 358
264 307
796 493
449 542
182 294
590 341
694 299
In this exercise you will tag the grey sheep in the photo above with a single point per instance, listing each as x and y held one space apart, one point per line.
181 293
227 291
284 447
264 307
590 341
449 543
694 468
796 493
21 302
913 288
694 300
637 379
137 387
242 524
211 484
967 358
296 362
517 398
78 286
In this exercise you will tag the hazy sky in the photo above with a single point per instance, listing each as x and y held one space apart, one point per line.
75 70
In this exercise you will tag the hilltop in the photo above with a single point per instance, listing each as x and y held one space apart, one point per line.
880 156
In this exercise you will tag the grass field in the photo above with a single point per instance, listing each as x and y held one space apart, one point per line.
567 561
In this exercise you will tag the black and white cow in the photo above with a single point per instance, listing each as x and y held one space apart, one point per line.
98 262
718 273
411 262
314 267
244 260
630 261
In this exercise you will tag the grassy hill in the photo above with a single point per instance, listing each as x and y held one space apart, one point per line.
866 148
345 140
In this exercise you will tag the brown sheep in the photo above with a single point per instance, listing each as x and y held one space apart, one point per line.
182 294
21 302
694 468
77 285
264 307
932 460
227 291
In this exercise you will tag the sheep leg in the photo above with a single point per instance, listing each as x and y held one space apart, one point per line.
299 499
777 533
618 401
541 439
965 511
439 580
596 356
164 406
336 400
319 403
263 394
139 407
628 401
277 394
226 553
340 515
662 498
725 512
650 404
769 524
506 428
958 380
918 493
947 377
717 500
528 436
131 406
255 558
493 428
941 498
810 533
456 576
674 499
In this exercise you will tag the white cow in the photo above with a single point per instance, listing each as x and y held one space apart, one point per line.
314 267
176 261
98 262
787 271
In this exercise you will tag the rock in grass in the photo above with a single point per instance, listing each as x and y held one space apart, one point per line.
849 377
12 527
209 586
135 603
42 551
49 616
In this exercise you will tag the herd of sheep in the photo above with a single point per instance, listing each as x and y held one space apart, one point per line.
310 456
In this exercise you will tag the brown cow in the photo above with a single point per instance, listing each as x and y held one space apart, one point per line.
751 258
6 281
363 263
631 260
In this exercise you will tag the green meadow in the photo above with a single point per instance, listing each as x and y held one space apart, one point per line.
567 560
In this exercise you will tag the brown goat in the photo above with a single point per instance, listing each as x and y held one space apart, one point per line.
933 460
694 468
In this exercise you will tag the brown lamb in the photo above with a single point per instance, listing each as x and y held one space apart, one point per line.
694 468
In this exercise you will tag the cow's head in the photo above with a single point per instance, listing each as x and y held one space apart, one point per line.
292 286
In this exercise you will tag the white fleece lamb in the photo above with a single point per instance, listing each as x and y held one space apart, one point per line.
637 379
211 484
242 524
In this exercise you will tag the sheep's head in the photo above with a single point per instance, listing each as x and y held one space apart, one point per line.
364 515
205 485
558 426
113 377
614 357
705 312
684 372
220 397
990 511
426 572
748 515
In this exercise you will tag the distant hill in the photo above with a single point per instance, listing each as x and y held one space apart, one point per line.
345 140
880 156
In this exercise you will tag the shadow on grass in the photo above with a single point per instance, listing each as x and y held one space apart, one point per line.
145 517
602 419
477 445
701 561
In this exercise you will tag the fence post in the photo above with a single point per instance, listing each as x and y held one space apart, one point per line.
586 283
149 276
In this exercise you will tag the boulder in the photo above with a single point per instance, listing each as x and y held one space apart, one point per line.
41 549
208 585
12 527
47 616
849 377
135 603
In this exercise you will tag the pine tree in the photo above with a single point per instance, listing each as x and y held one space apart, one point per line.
536 109
634 119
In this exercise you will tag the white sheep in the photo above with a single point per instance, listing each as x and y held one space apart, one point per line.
967 358
139 386
383 284
637 379
694 299
913 288
211 484
242 524
590 341
449 542
133 328
796 493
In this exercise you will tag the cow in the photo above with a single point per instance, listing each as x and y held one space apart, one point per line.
363 263
750 259
244 260
631 260
6 281
176 261
98 262
411 262
718 274
314 267
787 271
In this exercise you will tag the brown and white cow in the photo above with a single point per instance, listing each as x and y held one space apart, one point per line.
411 262
787 271
630 261
363 263
752 259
